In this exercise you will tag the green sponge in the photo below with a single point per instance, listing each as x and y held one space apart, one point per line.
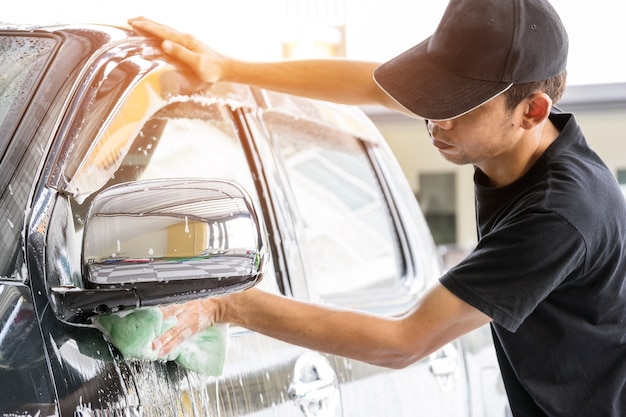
133 332
205 352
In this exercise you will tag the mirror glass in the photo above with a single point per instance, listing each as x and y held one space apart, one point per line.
164 230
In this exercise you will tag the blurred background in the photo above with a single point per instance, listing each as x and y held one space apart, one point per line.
378 30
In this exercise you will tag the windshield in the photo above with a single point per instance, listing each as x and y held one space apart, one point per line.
22 61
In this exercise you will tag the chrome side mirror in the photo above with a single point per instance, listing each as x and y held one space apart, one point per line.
162 241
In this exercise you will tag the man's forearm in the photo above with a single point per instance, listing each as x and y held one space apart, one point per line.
337 80
373 339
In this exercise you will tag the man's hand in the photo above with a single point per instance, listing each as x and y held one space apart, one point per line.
204 61
192 317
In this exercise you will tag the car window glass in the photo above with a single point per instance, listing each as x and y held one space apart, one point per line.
22 60
188 141
350 240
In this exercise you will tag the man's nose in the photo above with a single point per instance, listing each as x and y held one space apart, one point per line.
443 124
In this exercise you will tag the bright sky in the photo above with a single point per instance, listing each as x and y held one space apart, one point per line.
375 29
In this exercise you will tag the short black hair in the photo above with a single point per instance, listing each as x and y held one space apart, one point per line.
553 87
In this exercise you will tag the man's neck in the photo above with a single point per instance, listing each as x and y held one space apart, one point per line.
514 166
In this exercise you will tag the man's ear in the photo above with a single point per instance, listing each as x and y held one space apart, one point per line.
538 107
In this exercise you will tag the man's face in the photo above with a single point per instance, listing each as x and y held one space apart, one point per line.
481 137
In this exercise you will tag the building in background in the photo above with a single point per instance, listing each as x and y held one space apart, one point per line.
315 28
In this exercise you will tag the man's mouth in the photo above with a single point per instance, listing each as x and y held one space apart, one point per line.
432 131
441 145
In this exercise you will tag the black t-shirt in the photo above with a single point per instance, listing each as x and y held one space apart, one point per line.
550 270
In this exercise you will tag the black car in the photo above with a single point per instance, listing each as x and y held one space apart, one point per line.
126 183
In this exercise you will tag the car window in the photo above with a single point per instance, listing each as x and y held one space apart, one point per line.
22 60
187 140
347 228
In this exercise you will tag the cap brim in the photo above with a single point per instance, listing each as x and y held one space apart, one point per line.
417 82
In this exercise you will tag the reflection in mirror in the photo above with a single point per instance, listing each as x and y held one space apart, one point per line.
165 230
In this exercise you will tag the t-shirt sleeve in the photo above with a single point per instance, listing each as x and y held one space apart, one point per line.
516 266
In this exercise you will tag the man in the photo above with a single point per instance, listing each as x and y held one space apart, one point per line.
548 271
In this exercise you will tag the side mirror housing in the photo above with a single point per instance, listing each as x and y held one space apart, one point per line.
161 241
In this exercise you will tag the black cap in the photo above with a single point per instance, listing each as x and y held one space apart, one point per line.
479 49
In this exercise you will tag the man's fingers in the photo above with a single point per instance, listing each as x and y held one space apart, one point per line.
191 317
181 52
204 61
165 343
161 31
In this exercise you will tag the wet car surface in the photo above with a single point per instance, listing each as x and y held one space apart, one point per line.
100 132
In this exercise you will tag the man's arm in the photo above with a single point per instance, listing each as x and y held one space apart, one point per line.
438 318
337 80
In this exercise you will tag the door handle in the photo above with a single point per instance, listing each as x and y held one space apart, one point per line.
443 365
314 387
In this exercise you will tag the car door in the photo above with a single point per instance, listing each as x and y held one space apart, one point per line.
364 246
